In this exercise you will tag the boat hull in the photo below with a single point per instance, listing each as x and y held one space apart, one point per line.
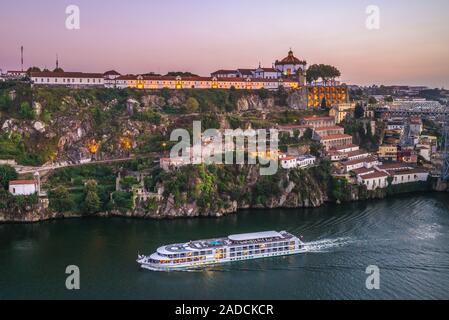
205 264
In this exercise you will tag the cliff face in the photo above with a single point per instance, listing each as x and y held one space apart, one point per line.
35 214
57 124
218 191
208 191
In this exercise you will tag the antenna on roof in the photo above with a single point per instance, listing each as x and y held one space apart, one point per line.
21 56
57 61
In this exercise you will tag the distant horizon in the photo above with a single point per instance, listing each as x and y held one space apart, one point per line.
410 48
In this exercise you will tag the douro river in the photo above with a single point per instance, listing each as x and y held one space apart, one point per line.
406 238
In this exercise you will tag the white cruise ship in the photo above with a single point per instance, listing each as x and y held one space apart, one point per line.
196 254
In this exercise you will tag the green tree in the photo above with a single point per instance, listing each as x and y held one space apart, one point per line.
7 173
281 96
372 100
122 200
192 105
359 112
26 112
308 134
316 148
313 73
263 93
5 102
181 74
33 69
61 200
324 103
323 71
128 182
92 202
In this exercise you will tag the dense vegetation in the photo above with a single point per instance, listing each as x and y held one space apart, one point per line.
103 113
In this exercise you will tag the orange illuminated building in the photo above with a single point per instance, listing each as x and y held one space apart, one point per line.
333 94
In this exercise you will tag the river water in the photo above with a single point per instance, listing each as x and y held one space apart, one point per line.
406 237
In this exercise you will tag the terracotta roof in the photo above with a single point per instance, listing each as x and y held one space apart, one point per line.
362 171
225 72
357 153
267 69
289 127
352 162
111 73
394 166
21 182
349 146
65 75
290 59
409 171
330 128
319 118
374 175
335 137
247 72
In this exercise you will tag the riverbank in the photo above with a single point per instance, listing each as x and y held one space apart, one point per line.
402 191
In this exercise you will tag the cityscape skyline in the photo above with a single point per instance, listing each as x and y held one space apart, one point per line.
203 37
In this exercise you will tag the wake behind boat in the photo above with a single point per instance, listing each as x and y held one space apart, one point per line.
196 254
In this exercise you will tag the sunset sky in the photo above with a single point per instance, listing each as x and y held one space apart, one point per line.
139 36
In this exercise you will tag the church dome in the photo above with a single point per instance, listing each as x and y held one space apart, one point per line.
290 59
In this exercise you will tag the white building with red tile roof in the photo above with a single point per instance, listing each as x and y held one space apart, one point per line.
68 79
23 187
289 162
319 122
374 180
290 65
267 73
335 140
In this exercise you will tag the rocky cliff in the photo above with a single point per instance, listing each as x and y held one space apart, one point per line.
41 125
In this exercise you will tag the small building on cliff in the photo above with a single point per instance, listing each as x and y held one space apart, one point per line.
23 187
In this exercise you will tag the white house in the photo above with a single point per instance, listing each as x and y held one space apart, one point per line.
15 74
225 74
368 162
245 73
289 162
416 126
375 180
68 79
22 187
347 148
424 152
395 125
409 176
266 73
305 161
110 78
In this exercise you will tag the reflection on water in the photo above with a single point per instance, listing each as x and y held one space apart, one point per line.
406 237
